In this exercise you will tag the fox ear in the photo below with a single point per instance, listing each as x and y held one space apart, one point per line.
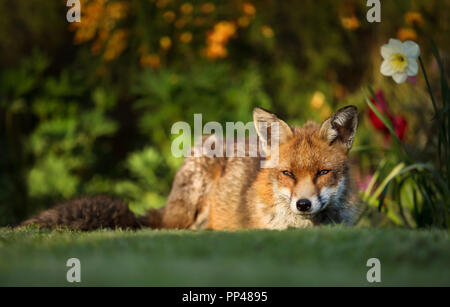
266 123
341 126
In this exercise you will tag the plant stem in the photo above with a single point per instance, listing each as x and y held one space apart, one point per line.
428 85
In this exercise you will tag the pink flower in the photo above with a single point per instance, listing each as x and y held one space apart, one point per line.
363 182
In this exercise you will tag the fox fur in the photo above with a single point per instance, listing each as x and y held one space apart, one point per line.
311 184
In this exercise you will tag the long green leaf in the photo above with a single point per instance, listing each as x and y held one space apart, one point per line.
384 119
409 168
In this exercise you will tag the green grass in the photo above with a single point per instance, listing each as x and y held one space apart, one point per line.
320 256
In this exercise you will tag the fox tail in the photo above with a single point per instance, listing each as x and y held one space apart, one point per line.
94 212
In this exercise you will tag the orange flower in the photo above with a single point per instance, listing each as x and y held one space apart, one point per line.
150 60
215 50
117 10
248 8
218 38
162 3
97 46
222 32
98 21
186 8
243 21
267 31
165 42
350 23
92 20
169 16
414 18
186 37
207 8
84 34
116 45
405 34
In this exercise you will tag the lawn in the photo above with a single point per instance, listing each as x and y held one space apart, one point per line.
321 256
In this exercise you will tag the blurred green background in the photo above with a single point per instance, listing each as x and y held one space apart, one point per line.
87 107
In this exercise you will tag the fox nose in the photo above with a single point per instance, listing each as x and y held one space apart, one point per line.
303 205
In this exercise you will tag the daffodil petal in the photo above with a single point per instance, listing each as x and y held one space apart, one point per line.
395 44
411 49
386 51
413 67
386 68
399 77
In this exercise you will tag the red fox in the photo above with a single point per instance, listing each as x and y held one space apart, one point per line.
309 185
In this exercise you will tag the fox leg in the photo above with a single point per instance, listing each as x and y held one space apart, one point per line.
186 202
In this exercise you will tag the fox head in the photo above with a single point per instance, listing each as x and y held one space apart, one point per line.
311 172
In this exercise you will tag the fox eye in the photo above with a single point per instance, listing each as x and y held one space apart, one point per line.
289 174
323 172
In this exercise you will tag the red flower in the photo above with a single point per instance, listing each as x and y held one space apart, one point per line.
398 122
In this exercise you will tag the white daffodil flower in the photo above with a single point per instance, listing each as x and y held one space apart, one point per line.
400 59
